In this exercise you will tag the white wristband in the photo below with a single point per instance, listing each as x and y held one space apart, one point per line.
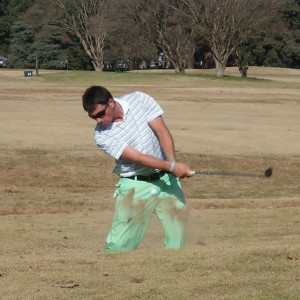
172 166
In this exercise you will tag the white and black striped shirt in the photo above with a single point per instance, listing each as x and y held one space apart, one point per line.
139 109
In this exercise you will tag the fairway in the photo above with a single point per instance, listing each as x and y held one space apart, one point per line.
56 188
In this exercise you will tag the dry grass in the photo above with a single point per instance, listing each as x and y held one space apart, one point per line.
56 191
66 181
237 254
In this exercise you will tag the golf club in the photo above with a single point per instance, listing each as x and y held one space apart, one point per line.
267 173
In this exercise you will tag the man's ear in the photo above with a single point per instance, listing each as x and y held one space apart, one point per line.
111 101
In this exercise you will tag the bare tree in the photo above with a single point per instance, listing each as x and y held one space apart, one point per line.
88 20
166 26
225 24
127 39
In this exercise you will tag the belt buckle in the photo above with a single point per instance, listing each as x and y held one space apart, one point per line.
155 176
150 177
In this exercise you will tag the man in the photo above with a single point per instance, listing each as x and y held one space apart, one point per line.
131 130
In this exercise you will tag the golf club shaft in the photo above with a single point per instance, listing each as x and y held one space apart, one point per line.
229 174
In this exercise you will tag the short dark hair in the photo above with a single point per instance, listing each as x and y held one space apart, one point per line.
95 95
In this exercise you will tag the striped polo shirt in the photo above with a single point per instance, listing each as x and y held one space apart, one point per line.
139 109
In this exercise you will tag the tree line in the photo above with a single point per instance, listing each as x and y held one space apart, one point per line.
94 34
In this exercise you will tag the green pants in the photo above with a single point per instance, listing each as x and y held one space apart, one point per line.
136 201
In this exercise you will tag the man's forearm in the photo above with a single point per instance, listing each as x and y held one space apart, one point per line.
167 144
132 155
165 138
176 168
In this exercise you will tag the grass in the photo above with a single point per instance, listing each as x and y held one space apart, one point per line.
229 78
56 195
29 187
242 243
165 79
107 78
61 258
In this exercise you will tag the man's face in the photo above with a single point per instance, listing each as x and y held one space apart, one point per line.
102 113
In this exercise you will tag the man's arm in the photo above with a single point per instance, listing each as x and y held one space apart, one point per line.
167 143
158 126
165 138
132 155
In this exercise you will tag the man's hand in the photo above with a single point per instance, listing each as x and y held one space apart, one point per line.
181 170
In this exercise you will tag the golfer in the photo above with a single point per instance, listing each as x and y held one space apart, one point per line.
131 130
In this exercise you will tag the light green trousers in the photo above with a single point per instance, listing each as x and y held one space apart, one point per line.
136 202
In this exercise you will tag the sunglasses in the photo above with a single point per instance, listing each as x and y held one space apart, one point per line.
100 114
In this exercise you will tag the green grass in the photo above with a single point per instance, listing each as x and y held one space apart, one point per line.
158 79
133 77
105 78
229 78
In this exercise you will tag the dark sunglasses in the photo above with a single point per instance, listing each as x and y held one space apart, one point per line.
100 114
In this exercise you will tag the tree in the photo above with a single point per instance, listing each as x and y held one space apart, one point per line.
47 48
291 35
127 40
88 20
244 55
4 29
53 46
226 24
166 26
278 44
76 56
21 46
10 12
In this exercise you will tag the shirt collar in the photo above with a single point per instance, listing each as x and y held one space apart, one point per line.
123 104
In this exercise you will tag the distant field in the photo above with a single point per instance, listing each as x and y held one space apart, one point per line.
56 187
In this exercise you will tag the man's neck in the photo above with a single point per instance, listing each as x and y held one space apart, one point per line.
118 113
